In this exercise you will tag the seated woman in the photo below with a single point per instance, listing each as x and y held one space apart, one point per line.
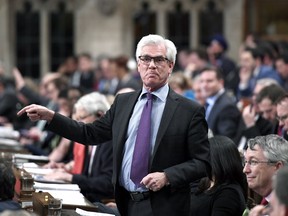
95 181
7 183
225 193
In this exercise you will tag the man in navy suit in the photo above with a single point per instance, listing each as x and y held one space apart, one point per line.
223 117
179 149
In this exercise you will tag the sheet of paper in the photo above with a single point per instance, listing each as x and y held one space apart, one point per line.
60 187
38 170
9 142
89 213
30 165
42 179
31 157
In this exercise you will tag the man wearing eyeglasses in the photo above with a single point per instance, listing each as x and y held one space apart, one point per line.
178 148
264 156
282 114
279 198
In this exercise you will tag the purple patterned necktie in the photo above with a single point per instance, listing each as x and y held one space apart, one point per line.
139 166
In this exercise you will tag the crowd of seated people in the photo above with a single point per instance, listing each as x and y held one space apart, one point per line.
244 98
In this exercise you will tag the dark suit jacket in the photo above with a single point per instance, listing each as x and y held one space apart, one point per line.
225 200
128 82
9 205
262 127
181 148
98 185
225 118
8 104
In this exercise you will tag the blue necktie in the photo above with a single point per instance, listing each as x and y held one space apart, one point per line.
139 166
206 110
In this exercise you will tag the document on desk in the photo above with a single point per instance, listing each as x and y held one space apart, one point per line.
43 179
38 170
6 132
29 157
88 213
61 187
72 198
9 142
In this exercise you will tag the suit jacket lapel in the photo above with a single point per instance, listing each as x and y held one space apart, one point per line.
170 107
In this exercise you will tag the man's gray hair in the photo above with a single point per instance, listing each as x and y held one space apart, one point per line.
93 103
275 148
153 39
280 183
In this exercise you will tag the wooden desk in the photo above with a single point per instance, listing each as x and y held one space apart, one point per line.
23 188
71 199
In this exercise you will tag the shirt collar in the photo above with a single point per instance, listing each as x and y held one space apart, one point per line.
160 93
211 100
268 198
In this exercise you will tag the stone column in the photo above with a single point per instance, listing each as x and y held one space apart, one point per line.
6 39
44 42
233 25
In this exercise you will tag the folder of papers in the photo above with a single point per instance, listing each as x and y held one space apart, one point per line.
59 187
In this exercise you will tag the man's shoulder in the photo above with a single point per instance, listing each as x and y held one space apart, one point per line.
226 99
124 97
185 102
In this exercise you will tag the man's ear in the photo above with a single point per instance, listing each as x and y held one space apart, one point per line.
221 81
279 165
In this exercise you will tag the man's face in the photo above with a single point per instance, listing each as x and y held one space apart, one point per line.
215 47
154 76
282 114
277 209
247 61
83 116
85 64
282 68
267 109
209 83
198 93
52 91
259 176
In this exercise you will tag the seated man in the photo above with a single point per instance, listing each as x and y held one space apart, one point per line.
95 181
279 198
7 183
264 156
282 114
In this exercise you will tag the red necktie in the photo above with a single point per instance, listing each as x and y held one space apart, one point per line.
279 131
264 202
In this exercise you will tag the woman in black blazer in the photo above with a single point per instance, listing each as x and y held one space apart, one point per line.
225 194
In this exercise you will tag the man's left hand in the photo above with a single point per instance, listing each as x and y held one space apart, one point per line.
155 181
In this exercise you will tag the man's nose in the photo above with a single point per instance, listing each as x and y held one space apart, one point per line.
152 63
281 123
246 168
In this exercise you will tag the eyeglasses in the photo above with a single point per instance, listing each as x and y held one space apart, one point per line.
255 162
81 118
158 60
282 118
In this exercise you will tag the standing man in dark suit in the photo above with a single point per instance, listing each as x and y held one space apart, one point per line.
223 117
178 150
